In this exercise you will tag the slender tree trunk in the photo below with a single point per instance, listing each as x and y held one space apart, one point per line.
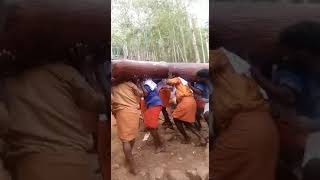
112 52
207 45
174 51
202 47
183 60
161 45
194 41
179 57
125 50
183 44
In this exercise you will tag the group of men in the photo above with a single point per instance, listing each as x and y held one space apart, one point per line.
189 103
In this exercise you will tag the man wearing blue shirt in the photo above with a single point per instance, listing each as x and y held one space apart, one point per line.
151 115
296 85
201 91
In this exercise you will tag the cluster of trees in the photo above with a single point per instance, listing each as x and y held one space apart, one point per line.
158 30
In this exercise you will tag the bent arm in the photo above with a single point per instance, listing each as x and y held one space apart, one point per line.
85 95
136 90
173 81
196 90
285 92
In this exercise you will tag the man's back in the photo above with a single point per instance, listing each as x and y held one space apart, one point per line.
124 97
45 115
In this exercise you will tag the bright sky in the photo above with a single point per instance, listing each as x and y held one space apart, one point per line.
200 9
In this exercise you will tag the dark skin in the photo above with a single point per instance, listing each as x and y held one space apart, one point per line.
282 93
180 123
167 122
154 131
199 112
198 118
127 149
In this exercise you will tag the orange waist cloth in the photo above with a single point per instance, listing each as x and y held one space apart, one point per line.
247 149
151 116
186 109
127 124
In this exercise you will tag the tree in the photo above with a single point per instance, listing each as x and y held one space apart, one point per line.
157 30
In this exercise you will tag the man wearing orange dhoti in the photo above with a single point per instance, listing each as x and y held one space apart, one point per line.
185 111
125 108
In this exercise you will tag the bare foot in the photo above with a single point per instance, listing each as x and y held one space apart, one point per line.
171 127
202 142
167 125
186 141
160 149
133 170
132 167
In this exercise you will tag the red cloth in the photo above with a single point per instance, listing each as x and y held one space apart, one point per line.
165 94
200 103
151 117
143 106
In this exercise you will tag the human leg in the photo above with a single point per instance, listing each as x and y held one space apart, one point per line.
167 121
181 129
127 149
157 141
202 140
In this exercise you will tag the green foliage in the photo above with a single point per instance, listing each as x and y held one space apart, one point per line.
157 30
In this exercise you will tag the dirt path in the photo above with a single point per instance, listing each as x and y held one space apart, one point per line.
179 162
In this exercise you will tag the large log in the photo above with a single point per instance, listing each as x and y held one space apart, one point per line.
126 69
45 28
187 71
251 29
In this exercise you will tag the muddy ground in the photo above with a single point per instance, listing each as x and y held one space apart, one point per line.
179 162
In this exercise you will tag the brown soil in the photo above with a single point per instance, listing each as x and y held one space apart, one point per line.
181 157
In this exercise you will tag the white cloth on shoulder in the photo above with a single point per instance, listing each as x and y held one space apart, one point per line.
151 84
241 67
184 82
